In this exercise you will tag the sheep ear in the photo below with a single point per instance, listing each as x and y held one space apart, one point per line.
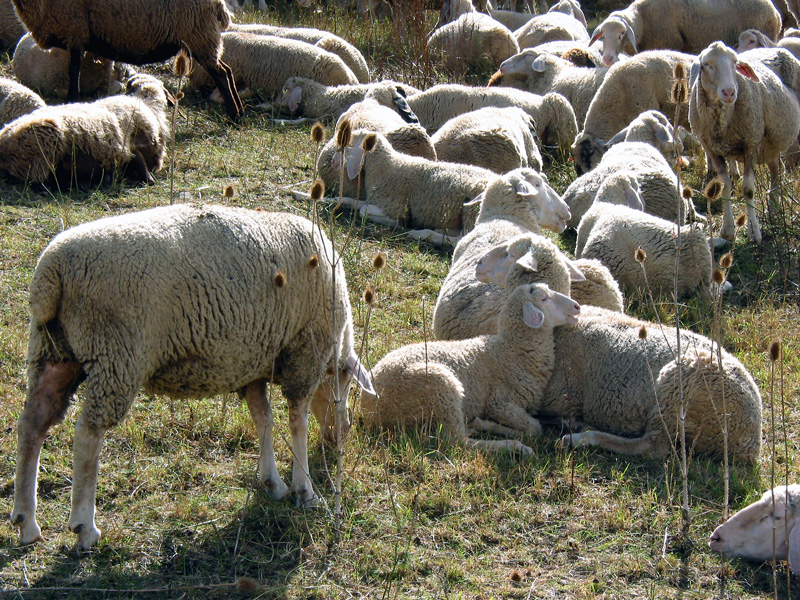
693 73
598 33
539 64
633 197
523 188
528 261
476 200
493 267
662 133
618 137
357 370
575 274
403 109
631 38
295 97
532 316
747 71
355 161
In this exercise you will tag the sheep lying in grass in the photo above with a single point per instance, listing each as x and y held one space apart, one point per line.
768 525
520 202
619 377
742 110
489 383
263 64
16 100
10 27
217 299
116 29
498 139
471 40
551 27
684 25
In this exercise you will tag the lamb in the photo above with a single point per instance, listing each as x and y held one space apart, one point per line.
541 73
656 181
489 383
473 39
520 202
641 83
192 343
684 25
653 128
498 139
349 54
553 115
551 27
16 100
752 38
263 63
638 414
10 27
48 70
115 29
413 191
306 97
751 117
749 533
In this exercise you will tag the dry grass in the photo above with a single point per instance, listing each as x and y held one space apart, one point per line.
178 504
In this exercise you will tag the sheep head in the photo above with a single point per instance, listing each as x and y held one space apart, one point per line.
716 69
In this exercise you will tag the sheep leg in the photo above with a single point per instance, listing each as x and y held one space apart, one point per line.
45 407
749 193
499 445
74 70
774 187
514 416
630 446
478 424
720 167
85 464
298 425
140 167
224 80
261 413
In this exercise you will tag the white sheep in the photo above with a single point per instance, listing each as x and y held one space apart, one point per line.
750 532
653 128
752 38
48 70
116 29
489 383
16 100
551 27
517 203
350 55
643 82
553 114
217 299
540 73
263 63
742 110
10 27
472 40
498 139
309 98
618 376
683 25
598 286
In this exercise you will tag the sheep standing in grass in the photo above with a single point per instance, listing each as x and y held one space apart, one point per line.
16 100
742 110
520 202
263 63
551 27
117 29
216 300
489 383
749 533
498 139
684 25
553 115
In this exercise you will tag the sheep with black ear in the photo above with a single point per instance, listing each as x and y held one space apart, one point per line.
218 299
488 383
116 29
16 100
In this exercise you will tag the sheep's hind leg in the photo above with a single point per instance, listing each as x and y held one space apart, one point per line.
261 413
749 193
631 446
224 80
774 188
298 425
45 407
85 465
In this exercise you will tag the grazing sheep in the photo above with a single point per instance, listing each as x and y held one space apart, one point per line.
551 27
350 55
488 383
309 98
541 73
498 139
472 40
16 100
413 191
520 202
218 299
684 25
653 128
115 29
263 64
553 115
48 70
750 532
742 110
10 27
656 182
643 82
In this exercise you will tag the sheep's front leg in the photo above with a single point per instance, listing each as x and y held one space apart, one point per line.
514 416
749 193
298 425
74 70
85 464
630 446
720 167
774 187
261 413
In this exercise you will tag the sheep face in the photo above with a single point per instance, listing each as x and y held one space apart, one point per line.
747 41
748 533
717 66
614 32
552 211
587 150
540 304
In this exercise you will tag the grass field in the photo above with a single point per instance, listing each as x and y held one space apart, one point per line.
178 503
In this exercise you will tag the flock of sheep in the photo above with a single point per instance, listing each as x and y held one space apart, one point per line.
526 335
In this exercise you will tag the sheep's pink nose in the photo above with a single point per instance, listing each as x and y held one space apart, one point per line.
727 94
715 537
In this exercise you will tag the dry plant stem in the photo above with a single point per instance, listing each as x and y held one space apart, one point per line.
772 474
786 467
172 141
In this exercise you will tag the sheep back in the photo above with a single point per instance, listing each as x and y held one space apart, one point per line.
16 100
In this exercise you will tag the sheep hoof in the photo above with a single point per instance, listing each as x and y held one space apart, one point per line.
29 531
718 242
87 536
276 489
307 500
521 448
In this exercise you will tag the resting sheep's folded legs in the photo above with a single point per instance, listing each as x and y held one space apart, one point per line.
632 446
85 464
261 413
499 445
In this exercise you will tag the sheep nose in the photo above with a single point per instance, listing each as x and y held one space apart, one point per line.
727 94
715 537
608 61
